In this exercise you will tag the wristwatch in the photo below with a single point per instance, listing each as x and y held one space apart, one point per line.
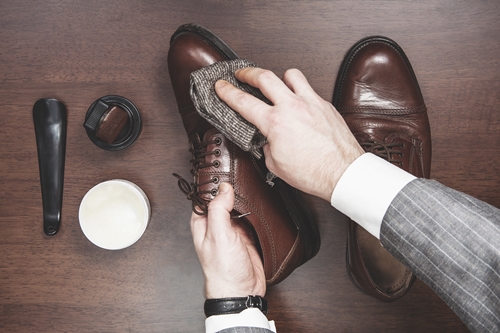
231 305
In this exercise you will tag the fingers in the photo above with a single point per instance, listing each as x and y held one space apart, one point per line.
217 222
266 81
198 229
297 82
251 108
219 213
277 91
272 87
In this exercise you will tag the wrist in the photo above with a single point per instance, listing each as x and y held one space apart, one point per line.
343 164
221 287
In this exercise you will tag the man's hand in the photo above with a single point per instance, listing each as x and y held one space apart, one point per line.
310 145
231 264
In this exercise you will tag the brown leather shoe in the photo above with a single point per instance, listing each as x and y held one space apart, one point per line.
283 225
378 95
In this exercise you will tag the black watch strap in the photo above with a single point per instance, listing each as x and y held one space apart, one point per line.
219 306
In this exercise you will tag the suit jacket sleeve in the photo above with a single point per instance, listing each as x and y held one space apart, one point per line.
451 241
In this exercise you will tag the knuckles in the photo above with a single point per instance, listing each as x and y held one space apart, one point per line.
265 77
241 98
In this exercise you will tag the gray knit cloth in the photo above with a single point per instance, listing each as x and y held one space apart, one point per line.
217 113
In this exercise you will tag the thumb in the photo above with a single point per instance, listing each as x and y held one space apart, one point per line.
219 211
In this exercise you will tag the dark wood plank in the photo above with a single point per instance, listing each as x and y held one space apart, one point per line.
79 51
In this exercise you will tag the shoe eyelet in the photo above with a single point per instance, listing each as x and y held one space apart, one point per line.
217 152
214 192
216 164
218 141
215 179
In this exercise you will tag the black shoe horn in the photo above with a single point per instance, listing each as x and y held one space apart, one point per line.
50 118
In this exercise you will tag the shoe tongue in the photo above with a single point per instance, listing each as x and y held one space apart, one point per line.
210 134
400 149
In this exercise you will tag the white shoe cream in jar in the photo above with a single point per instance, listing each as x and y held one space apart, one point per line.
114 214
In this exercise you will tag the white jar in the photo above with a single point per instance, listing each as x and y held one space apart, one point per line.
114 214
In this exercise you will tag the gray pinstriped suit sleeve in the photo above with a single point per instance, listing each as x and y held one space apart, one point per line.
451 241
245 330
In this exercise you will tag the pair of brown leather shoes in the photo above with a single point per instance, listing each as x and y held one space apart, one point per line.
378 95
284 227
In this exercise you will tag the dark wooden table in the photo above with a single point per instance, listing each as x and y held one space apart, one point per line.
78 51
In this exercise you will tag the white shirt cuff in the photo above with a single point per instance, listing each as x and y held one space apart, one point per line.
367 188
252 317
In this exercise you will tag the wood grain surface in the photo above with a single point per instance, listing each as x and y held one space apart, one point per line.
78 51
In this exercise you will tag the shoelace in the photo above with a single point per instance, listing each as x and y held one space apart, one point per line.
191 190
384 150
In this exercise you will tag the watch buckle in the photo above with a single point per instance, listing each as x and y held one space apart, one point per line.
250 303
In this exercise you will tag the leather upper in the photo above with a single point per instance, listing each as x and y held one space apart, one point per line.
188 53
377 76
380 100
378 95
